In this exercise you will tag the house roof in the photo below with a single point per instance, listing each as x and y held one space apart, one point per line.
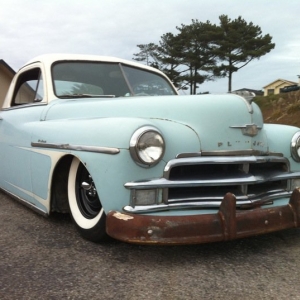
281 81
257 92
6 66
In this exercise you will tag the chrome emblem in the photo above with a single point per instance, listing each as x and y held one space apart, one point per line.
248 129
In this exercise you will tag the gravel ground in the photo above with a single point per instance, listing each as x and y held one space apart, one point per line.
45 258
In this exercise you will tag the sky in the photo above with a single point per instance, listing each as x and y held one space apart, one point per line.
29 28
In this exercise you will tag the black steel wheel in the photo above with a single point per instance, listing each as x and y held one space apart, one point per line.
85 205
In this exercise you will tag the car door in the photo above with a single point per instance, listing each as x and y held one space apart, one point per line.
16 123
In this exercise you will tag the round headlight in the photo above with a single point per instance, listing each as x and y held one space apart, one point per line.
147 146
295 147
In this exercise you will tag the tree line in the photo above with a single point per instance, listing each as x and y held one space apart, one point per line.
204 51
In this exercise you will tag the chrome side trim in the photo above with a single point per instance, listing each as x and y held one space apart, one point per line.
246 203
25 203
105 150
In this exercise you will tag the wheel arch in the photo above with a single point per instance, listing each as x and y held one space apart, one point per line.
59 185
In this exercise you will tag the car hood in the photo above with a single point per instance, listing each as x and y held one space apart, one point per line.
221 122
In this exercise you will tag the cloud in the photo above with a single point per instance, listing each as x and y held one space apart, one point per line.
115 27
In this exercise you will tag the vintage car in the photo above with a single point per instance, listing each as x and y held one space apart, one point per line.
111 142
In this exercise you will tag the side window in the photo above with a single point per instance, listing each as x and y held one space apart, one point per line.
29 88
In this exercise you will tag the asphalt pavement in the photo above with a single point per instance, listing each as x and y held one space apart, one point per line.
45 258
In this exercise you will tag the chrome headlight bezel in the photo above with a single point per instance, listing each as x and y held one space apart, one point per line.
140 153
295 146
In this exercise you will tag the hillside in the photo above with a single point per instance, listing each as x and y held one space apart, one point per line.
281 109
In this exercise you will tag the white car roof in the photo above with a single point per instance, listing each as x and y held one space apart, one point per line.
48 59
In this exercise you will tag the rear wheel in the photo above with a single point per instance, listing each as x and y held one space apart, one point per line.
85 205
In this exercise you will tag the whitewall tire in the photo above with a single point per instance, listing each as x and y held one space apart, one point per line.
86 209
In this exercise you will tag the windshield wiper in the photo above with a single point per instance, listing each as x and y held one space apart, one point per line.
70 96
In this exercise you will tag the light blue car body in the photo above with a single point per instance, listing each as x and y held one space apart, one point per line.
201 124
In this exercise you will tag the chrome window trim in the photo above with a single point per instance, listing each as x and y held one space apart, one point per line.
24 106
126 78
105 150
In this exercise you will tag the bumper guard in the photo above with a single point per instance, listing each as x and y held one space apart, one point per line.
227 224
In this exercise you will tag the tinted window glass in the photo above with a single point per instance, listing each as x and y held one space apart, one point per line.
29 88
76 79
146 83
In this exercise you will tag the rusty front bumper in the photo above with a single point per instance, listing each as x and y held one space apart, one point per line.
227 224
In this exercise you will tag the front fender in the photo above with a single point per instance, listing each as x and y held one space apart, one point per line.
279 140
114 133
111 171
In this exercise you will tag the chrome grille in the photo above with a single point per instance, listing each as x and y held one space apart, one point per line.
202 182
219 175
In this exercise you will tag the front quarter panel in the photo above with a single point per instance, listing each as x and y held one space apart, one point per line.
111 172
279 140
114 133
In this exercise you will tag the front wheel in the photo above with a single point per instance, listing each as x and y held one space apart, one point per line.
86 209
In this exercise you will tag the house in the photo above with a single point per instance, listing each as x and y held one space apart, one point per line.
6 76
274 87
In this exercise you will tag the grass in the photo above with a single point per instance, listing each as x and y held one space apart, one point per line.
280 109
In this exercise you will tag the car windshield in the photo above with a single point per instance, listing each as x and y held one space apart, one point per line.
99 79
